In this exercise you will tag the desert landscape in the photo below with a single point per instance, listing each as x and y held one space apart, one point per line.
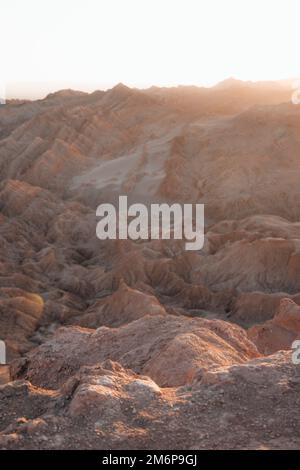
122 344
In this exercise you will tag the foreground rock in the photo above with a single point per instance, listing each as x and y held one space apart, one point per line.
249 406
167 348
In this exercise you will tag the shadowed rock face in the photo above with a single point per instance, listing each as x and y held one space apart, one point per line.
4 374
156 340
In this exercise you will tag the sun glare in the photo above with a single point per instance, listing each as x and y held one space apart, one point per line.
96 43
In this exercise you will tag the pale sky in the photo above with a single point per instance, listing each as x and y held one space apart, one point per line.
94 44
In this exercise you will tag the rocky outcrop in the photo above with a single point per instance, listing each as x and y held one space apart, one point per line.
123 306
104 406
169 349
280 332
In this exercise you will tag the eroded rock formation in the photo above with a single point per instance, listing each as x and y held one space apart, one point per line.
117 344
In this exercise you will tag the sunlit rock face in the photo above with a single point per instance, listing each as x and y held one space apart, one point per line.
281 331
138 340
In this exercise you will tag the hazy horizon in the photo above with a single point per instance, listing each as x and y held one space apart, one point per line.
95 44
36 91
